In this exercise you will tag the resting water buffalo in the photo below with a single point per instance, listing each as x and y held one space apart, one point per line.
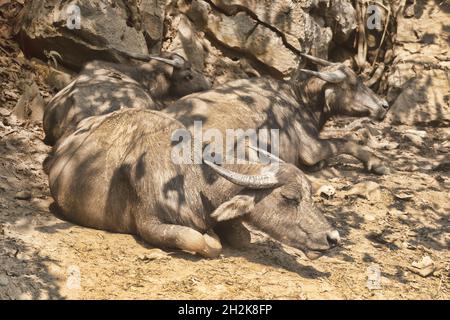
298 108
103 87
116 173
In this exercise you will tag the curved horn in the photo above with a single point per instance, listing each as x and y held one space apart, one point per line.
317 60
263 181
178 59
267 154
333 77
176 62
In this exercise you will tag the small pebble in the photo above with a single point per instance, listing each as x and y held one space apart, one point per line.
4 281
23 195
327 191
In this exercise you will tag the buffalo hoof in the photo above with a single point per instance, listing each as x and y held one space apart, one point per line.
213 247
376 165
381 170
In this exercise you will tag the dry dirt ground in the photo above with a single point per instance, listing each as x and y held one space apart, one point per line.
394 223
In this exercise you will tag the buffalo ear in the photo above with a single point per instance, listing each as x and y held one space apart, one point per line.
236 207
336 76
330 96
290 192
352 78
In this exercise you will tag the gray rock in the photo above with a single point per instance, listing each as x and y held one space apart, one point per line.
414 139
271 31
4 281
4 112
341 17
424 267
369 190
154 254
403 196
23 195
152 19
326 191
422 100
103 27
31 104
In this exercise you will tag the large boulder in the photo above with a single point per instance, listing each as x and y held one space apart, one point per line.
151 14
341 17
270 31
82 30
287 17
417 81
423 100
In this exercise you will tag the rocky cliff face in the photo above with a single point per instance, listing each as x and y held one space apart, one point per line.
268 33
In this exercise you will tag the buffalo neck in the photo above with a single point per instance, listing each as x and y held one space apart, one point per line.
311 93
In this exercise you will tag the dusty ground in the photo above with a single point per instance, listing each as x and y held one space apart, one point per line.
391 222
405 218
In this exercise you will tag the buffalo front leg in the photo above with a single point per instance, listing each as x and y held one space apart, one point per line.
323 149
180 237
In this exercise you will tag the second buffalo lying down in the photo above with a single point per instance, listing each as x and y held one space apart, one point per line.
299 108
103 87
116 173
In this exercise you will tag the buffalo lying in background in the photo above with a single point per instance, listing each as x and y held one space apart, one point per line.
116 173
104 87
299 108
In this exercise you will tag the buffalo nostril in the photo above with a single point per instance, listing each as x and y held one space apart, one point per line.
385 104
333 238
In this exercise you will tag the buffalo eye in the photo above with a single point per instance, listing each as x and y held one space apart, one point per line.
291 201
188 77
291 195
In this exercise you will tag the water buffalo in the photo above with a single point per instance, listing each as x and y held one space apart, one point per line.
116 173
103 87
299 108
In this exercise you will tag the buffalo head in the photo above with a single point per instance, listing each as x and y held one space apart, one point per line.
183 78
278 201
345 92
